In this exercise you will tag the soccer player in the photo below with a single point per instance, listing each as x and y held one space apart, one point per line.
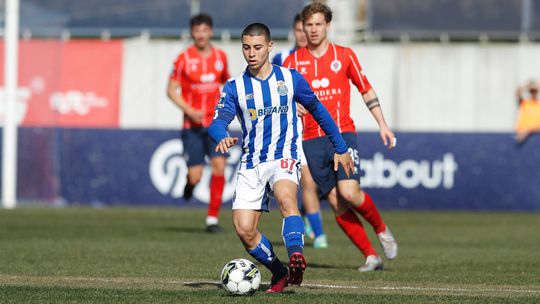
264 98
311 206
300 41
198 73
329 68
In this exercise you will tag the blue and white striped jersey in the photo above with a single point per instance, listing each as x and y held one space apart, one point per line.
267 113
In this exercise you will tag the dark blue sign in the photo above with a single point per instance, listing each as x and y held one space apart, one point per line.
442 171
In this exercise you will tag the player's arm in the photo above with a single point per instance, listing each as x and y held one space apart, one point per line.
174 93
224 114
307 98
374 106
359 79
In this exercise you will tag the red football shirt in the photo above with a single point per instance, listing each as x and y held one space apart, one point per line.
329 77
200 78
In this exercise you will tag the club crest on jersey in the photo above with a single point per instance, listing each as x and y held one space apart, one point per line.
249 96
252 114
335 66
218 65
282 88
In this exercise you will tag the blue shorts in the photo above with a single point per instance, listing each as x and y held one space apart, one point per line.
197 145
320 159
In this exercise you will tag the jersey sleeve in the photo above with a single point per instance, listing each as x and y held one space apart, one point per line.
355 73
225 112
178 66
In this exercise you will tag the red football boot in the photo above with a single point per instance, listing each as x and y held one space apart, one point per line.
297 266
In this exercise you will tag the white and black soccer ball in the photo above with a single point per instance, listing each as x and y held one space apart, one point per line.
240 277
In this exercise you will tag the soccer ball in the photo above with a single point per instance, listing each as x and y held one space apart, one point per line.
240 277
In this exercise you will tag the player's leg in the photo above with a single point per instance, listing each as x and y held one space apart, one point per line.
194 151
312 208
351 225
348 189
217 183
251 199
284 184
259 247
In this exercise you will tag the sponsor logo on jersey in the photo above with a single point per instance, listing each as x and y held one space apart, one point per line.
320 83
272 110
252 114
256 113
210 77
304 62
282 88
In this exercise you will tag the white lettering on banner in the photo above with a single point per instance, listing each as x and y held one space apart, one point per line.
21 105
168 171
76 102
385 173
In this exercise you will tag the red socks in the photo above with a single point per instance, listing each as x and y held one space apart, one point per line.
353 228
217 182
369 211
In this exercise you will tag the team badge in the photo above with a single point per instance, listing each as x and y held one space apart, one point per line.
252 114
282 88
218 65
335 66
249 96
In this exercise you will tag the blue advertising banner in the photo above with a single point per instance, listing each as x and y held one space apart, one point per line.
431 171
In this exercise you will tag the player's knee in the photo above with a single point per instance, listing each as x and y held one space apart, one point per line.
352 196
246 233
194 179
288 205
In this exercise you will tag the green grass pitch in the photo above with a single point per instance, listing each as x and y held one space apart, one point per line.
163 255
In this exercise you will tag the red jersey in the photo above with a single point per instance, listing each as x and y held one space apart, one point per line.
200 78
329 77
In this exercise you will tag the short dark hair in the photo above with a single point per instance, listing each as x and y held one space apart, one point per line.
257 29
297 19
316 7
200 19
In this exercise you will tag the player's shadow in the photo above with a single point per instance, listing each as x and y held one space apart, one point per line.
202 284
196 230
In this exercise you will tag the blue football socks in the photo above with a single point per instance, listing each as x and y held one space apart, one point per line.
293 234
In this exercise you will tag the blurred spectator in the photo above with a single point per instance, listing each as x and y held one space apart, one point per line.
529 111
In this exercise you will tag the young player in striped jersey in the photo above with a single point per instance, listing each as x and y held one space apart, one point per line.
310 206
329 68
198 73
264 98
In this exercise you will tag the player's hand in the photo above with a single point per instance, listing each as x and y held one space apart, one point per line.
388 137
195 115
345 160
301 110
224 145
